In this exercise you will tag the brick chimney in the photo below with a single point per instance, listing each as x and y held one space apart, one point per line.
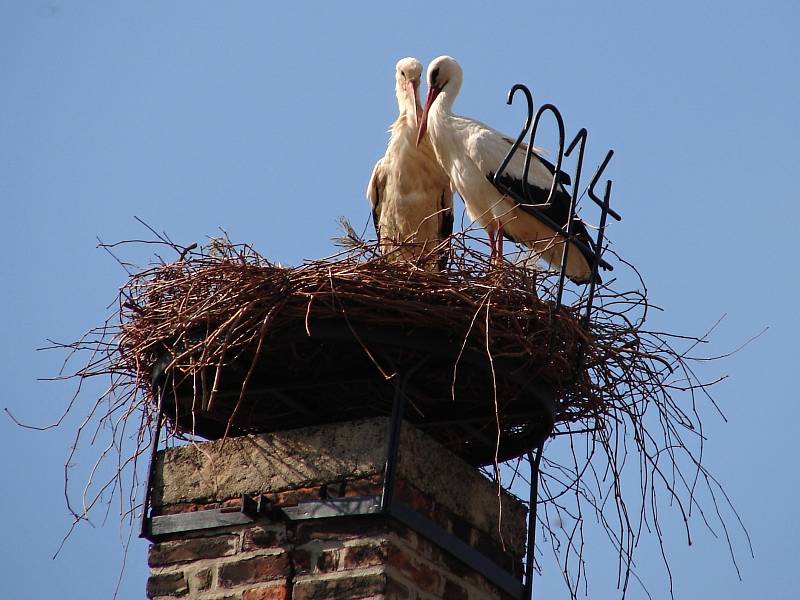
297 515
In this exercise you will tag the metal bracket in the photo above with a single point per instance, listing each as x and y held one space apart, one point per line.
247 512
334 507
403 513
471 557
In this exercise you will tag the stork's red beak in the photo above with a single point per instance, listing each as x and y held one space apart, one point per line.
433 92
411 90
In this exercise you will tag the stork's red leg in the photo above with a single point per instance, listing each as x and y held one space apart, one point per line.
499 242
490 229
495 231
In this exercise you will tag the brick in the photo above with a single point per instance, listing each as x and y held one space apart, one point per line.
396 590
295 496
364 487
429 550
413 497
200 580
167 584
422 574
253 570
341 529
301 558
460 528
334 489
453 591
365 555
519 566
262 536
327 561
167 553
174 509
273 592
455 566
346 586
492 550
441 516
408 535
184 507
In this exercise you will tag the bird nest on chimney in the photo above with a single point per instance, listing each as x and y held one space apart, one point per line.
490 362
250 346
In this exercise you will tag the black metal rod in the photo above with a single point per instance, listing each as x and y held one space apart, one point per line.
598 251
579 138
144 532
534 496
561 137
393 448
593 283
528 120
595 179
395 427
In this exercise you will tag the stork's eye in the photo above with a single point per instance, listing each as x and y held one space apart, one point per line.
403 73
435 74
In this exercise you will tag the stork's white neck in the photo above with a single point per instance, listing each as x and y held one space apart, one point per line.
448 95
404 103
442 130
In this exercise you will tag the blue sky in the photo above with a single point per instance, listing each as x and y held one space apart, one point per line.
265 119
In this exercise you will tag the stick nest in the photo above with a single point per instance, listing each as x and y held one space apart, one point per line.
488 365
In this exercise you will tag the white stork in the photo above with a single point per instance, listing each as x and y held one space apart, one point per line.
470 152
412 202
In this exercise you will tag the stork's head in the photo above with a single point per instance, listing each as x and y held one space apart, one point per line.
408 74
444 76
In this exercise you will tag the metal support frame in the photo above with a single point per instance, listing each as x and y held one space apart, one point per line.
390 506
385 504
533 498
145 529
393 438
393 444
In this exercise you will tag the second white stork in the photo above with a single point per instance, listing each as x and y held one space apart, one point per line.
412 202
470 152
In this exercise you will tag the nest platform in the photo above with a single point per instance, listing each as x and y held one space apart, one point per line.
332 370
246 346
